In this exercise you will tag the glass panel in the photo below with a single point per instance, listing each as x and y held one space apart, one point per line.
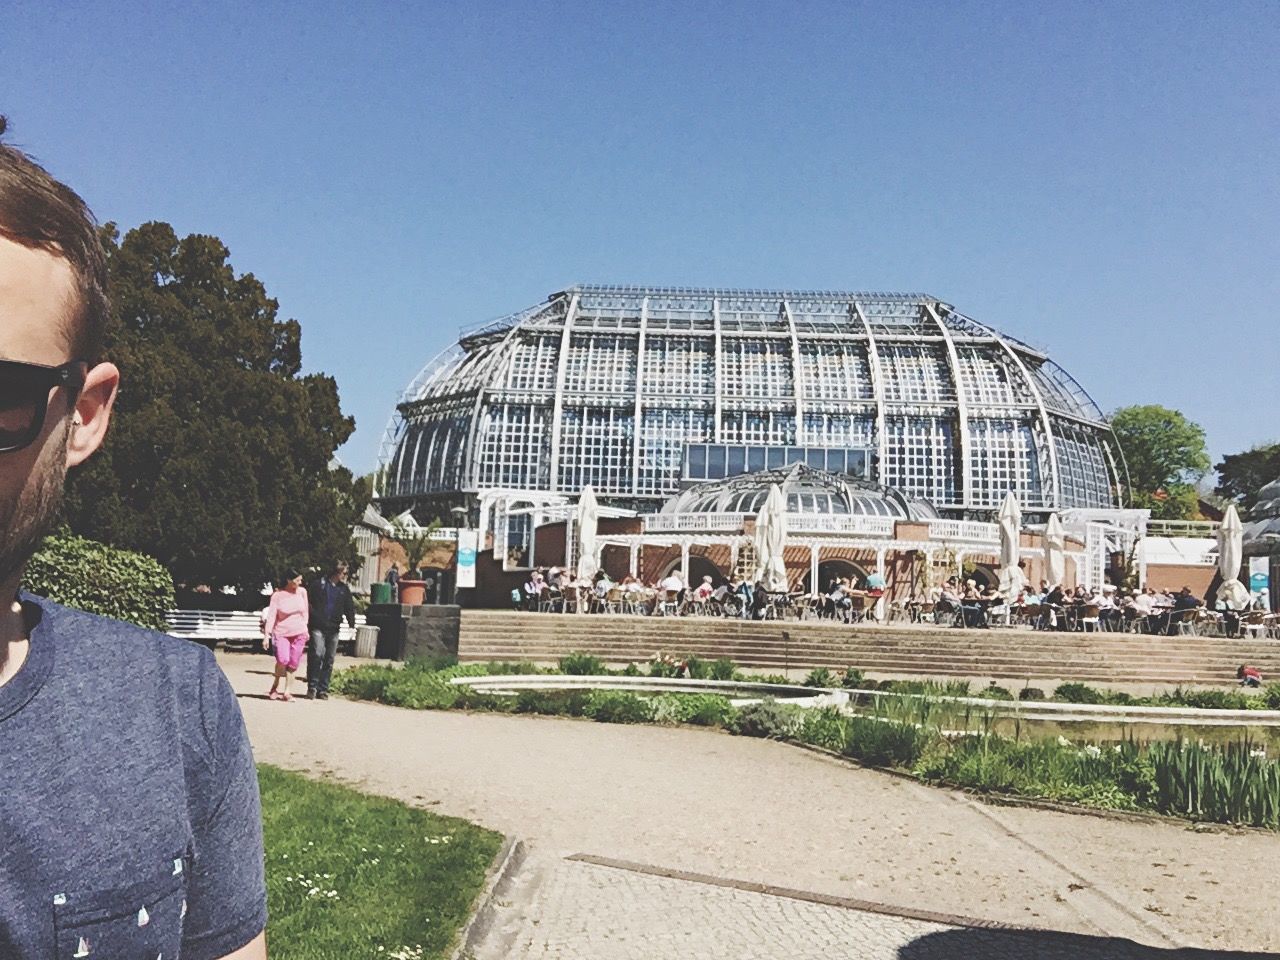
715 462
816 457
737 461
795 455
835 461
777 457
856 463
755 459
697 469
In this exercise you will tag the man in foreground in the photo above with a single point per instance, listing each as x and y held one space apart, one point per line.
128 797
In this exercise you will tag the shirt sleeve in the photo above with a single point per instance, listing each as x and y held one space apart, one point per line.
226 886
273 613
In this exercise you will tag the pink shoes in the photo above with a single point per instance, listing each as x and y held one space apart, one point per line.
276 696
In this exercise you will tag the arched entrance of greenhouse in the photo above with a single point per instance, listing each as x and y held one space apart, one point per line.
699 567
836 569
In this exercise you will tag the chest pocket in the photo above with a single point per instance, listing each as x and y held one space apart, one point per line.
142 921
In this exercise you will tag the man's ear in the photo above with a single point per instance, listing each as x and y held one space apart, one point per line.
92 413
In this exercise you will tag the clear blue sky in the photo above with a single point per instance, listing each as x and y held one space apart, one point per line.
1102 180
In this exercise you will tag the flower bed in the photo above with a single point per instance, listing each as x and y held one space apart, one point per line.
913 733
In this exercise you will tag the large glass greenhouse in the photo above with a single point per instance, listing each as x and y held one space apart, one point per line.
642 391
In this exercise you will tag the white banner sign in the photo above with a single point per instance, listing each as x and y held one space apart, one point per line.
468 540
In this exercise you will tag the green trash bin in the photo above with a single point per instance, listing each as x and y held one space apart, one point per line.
380 592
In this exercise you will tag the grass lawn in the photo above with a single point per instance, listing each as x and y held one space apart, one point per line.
354 876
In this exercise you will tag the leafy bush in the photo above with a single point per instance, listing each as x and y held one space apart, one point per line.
1030 693
368 682
820 677
1271 696
432 663
769 719
582 665
885 743
852 678
663 665
1078 693
544 702
631 670
825 727
507 668
617 706
722 669
99 579
1206 699
696 668
993 692
702 709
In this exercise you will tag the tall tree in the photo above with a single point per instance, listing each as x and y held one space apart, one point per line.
219 458
1242 475
1166 455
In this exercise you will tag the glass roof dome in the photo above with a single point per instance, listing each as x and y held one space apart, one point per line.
806 490
638 391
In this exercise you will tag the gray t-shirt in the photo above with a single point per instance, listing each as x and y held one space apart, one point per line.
129 815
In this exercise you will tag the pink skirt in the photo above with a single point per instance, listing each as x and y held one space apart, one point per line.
289 650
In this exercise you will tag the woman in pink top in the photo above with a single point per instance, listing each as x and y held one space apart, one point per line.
286 627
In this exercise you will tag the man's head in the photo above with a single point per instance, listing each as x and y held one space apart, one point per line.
338 572
55 397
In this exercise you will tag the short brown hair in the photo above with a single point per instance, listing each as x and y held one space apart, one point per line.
40 212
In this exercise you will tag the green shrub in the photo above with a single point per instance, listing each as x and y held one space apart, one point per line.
545 702
820 677
993 692
825 727
631 670
666 666
1205 699
1233 784
769 719
432 663
582 665
1078 693
852 679
885 743
696 668
99 579
617 706
1030 693
507 668
722 669
701 709
363 683
1271 696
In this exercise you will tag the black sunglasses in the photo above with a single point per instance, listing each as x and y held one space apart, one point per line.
24 397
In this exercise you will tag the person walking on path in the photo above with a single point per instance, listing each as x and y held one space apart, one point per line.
286 630
330 600
393 578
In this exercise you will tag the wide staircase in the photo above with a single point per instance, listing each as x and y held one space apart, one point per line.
898 650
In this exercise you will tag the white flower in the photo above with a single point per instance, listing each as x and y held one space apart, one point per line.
1063 741
1092 750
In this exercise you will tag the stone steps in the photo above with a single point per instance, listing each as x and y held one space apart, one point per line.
1130 658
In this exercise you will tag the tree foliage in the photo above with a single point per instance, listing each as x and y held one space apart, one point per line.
1166 455
218 459
1242 475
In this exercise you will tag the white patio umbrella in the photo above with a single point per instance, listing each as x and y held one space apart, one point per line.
587 518
1055 551
771 536
1230 556
1010 519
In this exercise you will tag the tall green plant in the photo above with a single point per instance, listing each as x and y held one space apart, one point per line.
99 579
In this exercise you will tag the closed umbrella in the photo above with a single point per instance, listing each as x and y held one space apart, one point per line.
1010 518
1055 551
587 518
1230 555
771 535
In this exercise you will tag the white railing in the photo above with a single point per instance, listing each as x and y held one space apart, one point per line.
796 523
971 531
692 522
838 523
1183 528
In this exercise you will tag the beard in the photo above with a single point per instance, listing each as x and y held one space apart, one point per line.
25 521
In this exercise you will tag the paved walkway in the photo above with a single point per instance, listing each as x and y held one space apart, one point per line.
764 812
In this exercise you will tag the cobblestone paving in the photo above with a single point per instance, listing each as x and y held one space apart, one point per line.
581 910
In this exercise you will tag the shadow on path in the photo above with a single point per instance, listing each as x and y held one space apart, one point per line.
1049 945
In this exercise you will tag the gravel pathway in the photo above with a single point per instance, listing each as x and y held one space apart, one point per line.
750 810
